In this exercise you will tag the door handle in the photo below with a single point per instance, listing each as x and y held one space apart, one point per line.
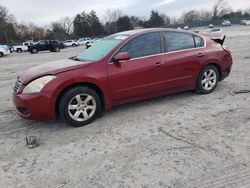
200 54
158 64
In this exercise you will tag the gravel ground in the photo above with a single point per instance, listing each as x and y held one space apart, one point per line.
184 140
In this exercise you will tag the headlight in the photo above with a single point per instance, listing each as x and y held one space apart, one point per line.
37 85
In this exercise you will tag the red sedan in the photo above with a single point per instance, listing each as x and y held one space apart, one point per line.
124 67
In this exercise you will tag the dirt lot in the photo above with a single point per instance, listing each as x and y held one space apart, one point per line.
184 140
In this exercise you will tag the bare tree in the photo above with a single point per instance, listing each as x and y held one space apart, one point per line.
29 32
190 16
5 16
205 15
112 15
166 19
67 24
7 22
110 20
220 8
173 20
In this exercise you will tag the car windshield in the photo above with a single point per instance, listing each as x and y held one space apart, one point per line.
100 49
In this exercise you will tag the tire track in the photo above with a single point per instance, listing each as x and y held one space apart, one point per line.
237 178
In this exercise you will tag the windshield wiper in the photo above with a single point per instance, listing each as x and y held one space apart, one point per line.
75 58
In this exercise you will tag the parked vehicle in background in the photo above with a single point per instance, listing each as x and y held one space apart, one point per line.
61 44
226 23
186 27
124 67
4 50
211 26
213 30
22 47
44 45
94 40
84 41
245 22
11 49
70 43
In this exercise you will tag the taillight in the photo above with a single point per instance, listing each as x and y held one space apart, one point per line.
227 49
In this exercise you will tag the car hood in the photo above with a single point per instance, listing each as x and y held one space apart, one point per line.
50 68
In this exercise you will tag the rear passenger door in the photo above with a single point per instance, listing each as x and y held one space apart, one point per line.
184 54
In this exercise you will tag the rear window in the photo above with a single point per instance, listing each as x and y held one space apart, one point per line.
199 42
175 41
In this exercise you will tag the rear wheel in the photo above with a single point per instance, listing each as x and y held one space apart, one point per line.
79 106
208 79
1 54
73 45
57 49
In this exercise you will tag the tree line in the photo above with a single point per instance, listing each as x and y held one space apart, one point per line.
89 25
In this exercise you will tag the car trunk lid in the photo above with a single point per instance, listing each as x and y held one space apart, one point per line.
217 37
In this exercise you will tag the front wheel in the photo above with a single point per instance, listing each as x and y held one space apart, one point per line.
79 106
19 50
208 80
1 54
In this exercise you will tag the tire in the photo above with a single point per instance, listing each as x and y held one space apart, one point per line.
208 80
1 54
79 106
19 50
34 51
88 46
57 49
73 45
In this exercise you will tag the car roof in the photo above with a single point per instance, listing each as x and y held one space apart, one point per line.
141 31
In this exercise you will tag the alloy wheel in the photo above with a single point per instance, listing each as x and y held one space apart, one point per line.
82 107
209 79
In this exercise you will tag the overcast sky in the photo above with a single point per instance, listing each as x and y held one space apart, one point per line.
42 12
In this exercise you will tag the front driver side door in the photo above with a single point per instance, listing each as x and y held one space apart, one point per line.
143 74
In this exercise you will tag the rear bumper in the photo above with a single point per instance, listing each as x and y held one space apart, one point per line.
227 62
225 73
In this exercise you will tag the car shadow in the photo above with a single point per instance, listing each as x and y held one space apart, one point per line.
147 102
58 125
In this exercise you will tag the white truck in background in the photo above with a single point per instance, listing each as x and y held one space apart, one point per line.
22 47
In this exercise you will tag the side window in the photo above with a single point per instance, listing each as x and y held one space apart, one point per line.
143 45
42 42
199 42
175 41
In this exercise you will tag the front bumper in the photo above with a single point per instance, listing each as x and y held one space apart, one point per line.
34 106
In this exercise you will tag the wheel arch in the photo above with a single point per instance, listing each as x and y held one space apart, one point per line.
19 49
87 84
216 65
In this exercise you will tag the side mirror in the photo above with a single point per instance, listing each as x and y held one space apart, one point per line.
122 56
